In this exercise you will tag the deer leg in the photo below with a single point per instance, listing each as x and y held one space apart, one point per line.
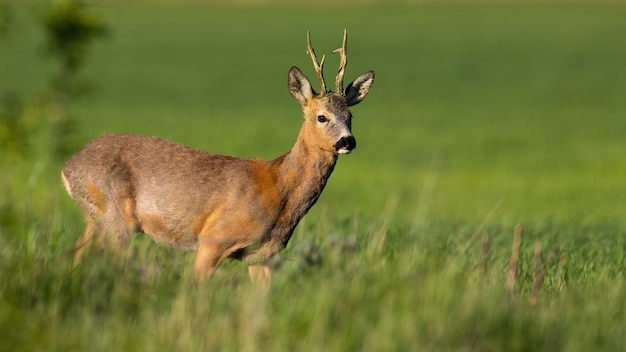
84 240
208 259
260 275
118 198
210 255
123 222
217 240
118 220
117 225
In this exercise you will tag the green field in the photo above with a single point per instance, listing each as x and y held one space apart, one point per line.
482 116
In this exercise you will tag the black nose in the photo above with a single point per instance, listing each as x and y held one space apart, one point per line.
348 143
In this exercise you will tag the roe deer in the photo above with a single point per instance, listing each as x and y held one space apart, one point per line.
221 206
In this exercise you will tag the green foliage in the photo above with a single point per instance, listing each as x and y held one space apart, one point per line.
70 28
5 17
482 117
12 128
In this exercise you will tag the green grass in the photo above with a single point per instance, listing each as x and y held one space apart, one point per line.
482 116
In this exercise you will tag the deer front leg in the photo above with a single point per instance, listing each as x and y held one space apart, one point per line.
208 258
260 275
219 239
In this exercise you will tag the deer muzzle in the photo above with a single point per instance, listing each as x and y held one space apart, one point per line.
345 145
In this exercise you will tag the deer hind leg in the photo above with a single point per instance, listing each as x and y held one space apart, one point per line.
107 230
119 218
117 225
92 202
84 240
109 217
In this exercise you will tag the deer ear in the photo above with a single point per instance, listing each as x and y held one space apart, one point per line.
358 89
299 86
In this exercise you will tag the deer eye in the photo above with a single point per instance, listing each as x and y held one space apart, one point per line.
322 119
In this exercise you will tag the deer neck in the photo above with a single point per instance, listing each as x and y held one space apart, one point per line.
302 175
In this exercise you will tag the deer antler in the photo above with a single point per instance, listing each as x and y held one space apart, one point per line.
343 60
318 67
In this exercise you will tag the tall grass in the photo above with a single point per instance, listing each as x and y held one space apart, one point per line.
482 117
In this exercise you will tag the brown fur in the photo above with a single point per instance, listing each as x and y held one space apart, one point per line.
220 206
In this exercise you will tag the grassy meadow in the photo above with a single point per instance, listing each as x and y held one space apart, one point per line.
482 116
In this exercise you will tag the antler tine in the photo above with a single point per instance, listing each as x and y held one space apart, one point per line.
343 60
318 67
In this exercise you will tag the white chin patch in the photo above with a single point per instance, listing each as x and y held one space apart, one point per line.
344 151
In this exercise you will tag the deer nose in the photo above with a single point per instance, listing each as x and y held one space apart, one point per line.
345 145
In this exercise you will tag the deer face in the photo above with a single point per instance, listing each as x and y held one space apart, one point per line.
329 123
328 119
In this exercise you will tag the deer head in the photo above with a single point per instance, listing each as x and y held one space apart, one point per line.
328 120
